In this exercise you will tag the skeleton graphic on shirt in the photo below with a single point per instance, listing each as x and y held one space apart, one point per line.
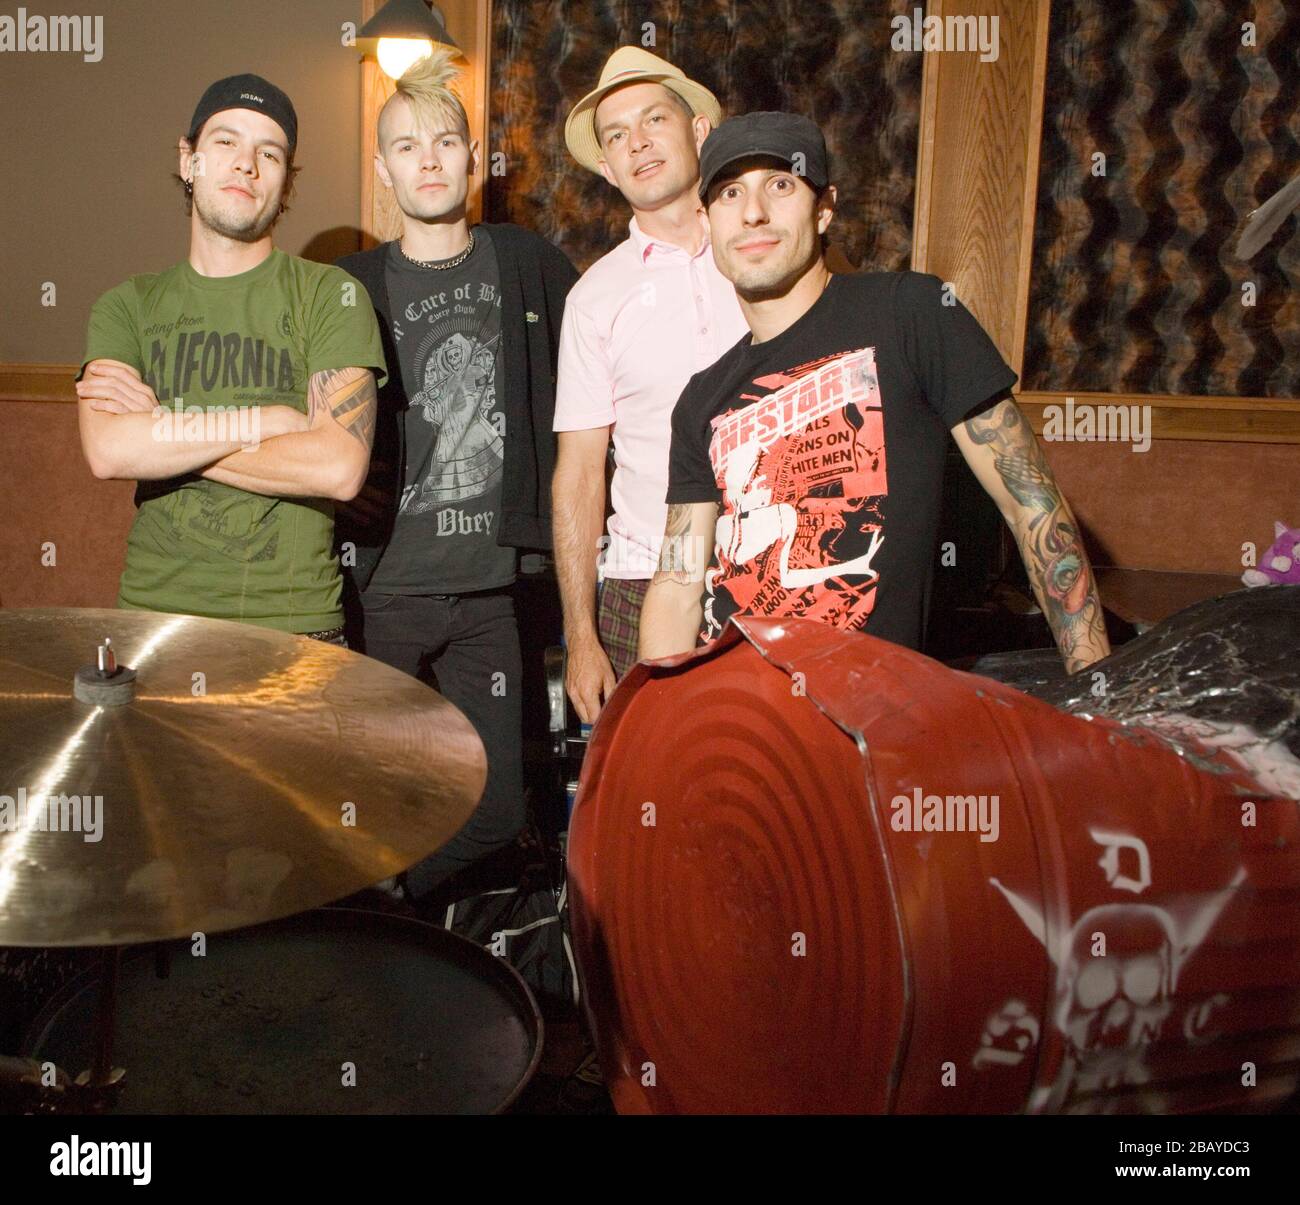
457 398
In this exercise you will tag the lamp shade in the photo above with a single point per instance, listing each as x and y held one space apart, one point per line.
405 20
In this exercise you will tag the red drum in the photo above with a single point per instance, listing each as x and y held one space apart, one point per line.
813 871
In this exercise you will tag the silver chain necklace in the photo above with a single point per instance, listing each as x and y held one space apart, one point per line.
440 265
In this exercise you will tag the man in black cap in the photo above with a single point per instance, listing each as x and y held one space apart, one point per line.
809 458
238 389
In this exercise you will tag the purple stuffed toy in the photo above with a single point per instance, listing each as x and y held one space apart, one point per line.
1281 563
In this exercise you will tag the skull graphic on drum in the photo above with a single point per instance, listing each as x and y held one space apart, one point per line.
1117 971
1115 1003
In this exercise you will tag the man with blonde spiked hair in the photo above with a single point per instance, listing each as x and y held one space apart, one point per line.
461 475
640 322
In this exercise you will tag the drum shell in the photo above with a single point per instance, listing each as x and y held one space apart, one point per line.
937 972
273 1018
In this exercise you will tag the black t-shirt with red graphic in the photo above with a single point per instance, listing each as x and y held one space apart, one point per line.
825 448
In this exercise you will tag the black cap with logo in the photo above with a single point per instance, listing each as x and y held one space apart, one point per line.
247 92
786 136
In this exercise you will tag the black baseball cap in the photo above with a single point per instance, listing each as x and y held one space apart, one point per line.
247 92
781 135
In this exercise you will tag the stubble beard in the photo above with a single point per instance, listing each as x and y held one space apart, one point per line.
755 282
245 230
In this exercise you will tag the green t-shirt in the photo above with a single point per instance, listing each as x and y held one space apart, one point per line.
198 547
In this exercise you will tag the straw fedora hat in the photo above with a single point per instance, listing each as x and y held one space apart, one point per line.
630 65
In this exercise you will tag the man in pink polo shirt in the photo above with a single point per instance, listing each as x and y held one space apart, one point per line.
639 324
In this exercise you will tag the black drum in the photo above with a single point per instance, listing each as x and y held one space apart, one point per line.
277 1018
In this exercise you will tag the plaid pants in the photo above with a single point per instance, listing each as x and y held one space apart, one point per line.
618 620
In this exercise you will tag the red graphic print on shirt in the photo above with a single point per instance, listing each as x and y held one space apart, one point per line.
802 472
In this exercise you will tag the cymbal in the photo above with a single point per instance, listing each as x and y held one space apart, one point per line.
253 775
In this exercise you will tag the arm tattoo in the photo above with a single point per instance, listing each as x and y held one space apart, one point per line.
674 561
1046 532
349 394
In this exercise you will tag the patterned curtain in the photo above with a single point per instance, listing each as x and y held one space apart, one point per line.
1136 285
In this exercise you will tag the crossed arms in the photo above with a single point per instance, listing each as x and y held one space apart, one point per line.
1004 455
324 453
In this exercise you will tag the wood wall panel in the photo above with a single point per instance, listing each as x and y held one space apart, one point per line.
1183 506
977 168
48 493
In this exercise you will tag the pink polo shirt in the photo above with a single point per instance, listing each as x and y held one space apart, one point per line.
638 325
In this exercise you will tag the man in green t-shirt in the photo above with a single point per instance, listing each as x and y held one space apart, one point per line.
237 388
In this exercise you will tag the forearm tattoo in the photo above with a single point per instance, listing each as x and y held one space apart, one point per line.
675 562
350 395
1049 540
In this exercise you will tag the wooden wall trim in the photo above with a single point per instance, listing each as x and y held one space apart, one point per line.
977 166
1178 416
38 382
1230 419
1029 193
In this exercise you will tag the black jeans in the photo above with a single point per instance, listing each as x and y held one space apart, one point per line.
466 645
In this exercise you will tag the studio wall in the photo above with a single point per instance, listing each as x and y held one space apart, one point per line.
90 149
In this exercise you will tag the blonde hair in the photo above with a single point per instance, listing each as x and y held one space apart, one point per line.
425 85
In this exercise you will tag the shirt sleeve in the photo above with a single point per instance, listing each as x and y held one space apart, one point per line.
343 331
584 391
113 332
690 472
953 360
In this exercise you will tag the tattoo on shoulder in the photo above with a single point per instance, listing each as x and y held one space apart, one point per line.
350 396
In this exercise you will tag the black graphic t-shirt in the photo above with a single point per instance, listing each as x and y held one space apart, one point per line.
824 447
447 331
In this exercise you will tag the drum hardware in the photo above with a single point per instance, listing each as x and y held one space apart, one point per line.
223 759
431 1021
568 741
557 704
104 684
28 1085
